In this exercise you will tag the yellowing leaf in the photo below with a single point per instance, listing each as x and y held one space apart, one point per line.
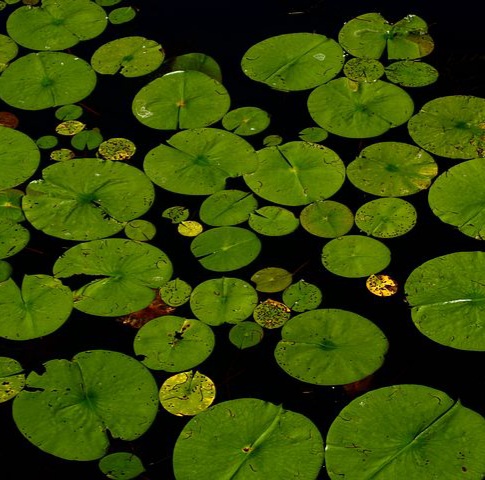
381 285
189 228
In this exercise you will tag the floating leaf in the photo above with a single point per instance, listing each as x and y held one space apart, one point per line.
175 292
173 343
246 121
364 69
89 139
294 61
87 198
330 347
220 300
381 285
187 393
313 134
116 149
12 378
408 73
223 249
62 154
8 51
272 140
10 205
239 437
5 270
296 173
199 62
190 228
246 334
273 221
121 15
70 127
68 112
121 466
47 142
140 230
74 407
271 279
405 431
38 81
129 272
446 295
327 219
302 296
359 109
130 56
271 314
176 214
8 119
13 238
355 256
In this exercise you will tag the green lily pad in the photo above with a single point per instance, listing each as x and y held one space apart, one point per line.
5 270
74 407
405 431
273 221
451 127
363 69
199 161
271 279
330 347
13 238
355 256
409 73
175 292
359 109
368 36
327 219
68 112
38 81
140 230
246 121
174 344
294 61
246 334
56 25
220 300
10 205
199 62
386 217
12 378
130 56
227 207
87 139
392 169
8 51
223 249
180 100
87 198
121 15
296 173
121 466
313 134
130 273
457 198
235 438
46 142
19 157
302 296
446 295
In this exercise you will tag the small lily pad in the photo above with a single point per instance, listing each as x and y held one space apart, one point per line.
199 62
246 334
302 296
271 279
13 238
327 219
121 466
12 378
273 221
271 314
175 292
409 73
246 121
364 69
10 205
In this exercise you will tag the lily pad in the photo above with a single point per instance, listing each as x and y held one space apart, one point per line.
451 127
199 161
74 407
37 81
246 334
12 378
140 230
271 314
330 347
363 69
175 292
8 51
294 61
327 219
355 256
130 273
392 169
224 299
19 157
87 198
173 343
223 249
180 100
302 296
5 270
122 15
386 217
359 109
446 295
56 25
405 431
296 173
246 121
457 198
121 466
409 73
236 438
273 221
199 62
313 134
13 238
130 56
271 279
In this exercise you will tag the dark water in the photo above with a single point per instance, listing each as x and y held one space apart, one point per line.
225 30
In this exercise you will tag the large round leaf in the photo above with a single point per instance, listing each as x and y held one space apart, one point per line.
69 409
359 109
47 79
447 297
457 198
36 309
451 126
294 61
199 161
56 25
224 299
330 347
392 169
223 249
248 438
173 343
406 431
130 273
19 157
87 198
182 99
296 173
355 256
